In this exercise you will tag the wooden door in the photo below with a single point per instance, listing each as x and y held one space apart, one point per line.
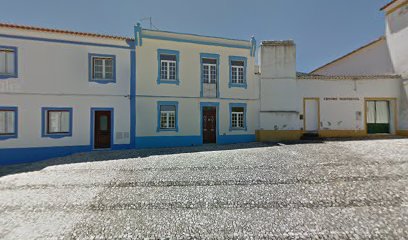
209 125
102 131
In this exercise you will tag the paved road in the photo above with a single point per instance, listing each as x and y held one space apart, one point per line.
350 189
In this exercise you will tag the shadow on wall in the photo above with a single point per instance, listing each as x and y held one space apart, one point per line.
98 156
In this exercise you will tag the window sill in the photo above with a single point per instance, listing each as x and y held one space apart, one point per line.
5 137
167 130
238 129
103 81
237 85
57 135
5 76
168 81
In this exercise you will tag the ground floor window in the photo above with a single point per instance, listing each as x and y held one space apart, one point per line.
8 122
57 122
167 116
378 116
237 116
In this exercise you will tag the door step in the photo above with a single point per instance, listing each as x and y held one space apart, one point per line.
310 136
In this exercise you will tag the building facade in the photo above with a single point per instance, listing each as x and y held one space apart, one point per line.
63 92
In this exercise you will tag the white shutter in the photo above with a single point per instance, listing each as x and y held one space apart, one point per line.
54 122
2 122
10 122
64 122
10 62
2 62
370 112
382 112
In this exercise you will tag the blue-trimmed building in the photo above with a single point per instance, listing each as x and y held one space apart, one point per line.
63 92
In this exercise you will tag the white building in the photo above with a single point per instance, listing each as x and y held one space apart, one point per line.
63 92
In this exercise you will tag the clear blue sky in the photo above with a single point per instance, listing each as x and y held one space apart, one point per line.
322 29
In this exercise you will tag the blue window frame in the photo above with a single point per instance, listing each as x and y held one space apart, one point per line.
238 116
8 62
168 66
207 61
167 116
8 122
237 72
102 68
56 122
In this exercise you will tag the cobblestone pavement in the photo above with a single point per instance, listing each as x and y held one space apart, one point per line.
326 190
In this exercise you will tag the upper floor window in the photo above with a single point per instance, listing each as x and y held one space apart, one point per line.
8 61
8 122
237 72
238 116
102 68
209 70
168 66
167 116
57 122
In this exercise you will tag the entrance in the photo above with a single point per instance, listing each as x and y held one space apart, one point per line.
378 116
102 129
311 114
209 124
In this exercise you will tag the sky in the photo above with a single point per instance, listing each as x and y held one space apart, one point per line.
322 29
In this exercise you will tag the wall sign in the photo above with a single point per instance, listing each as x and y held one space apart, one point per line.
341 99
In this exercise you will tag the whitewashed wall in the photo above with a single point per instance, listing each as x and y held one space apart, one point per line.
54 74
371 60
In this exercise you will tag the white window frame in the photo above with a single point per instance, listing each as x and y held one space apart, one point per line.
14 127
238 115
167 125
210 80
104 59
236 79
167 62
14 53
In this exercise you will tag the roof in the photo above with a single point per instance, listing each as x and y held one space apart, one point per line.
105 36
388 4
51 30
349 54
300 75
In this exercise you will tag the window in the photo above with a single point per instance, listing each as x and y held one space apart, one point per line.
167 116
209 70
8 61
102 68
168 66
57 122
238 116
237 72
8 122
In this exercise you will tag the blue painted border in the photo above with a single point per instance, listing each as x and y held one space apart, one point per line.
90 68
253 46
209 56
168 52
15 134
167 141
132 97
161 103
238 138
15 74
239 85
202 42
93 110
65 41
217 107
44 122
243 105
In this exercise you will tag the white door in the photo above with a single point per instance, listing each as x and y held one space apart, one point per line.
311 112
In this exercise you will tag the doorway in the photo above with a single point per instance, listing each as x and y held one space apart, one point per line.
378 116
209 122
311 110
102 129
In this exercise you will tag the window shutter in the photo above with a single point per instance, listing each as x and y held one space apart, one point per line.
2 62
64 122
10 62
2 122
10 122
